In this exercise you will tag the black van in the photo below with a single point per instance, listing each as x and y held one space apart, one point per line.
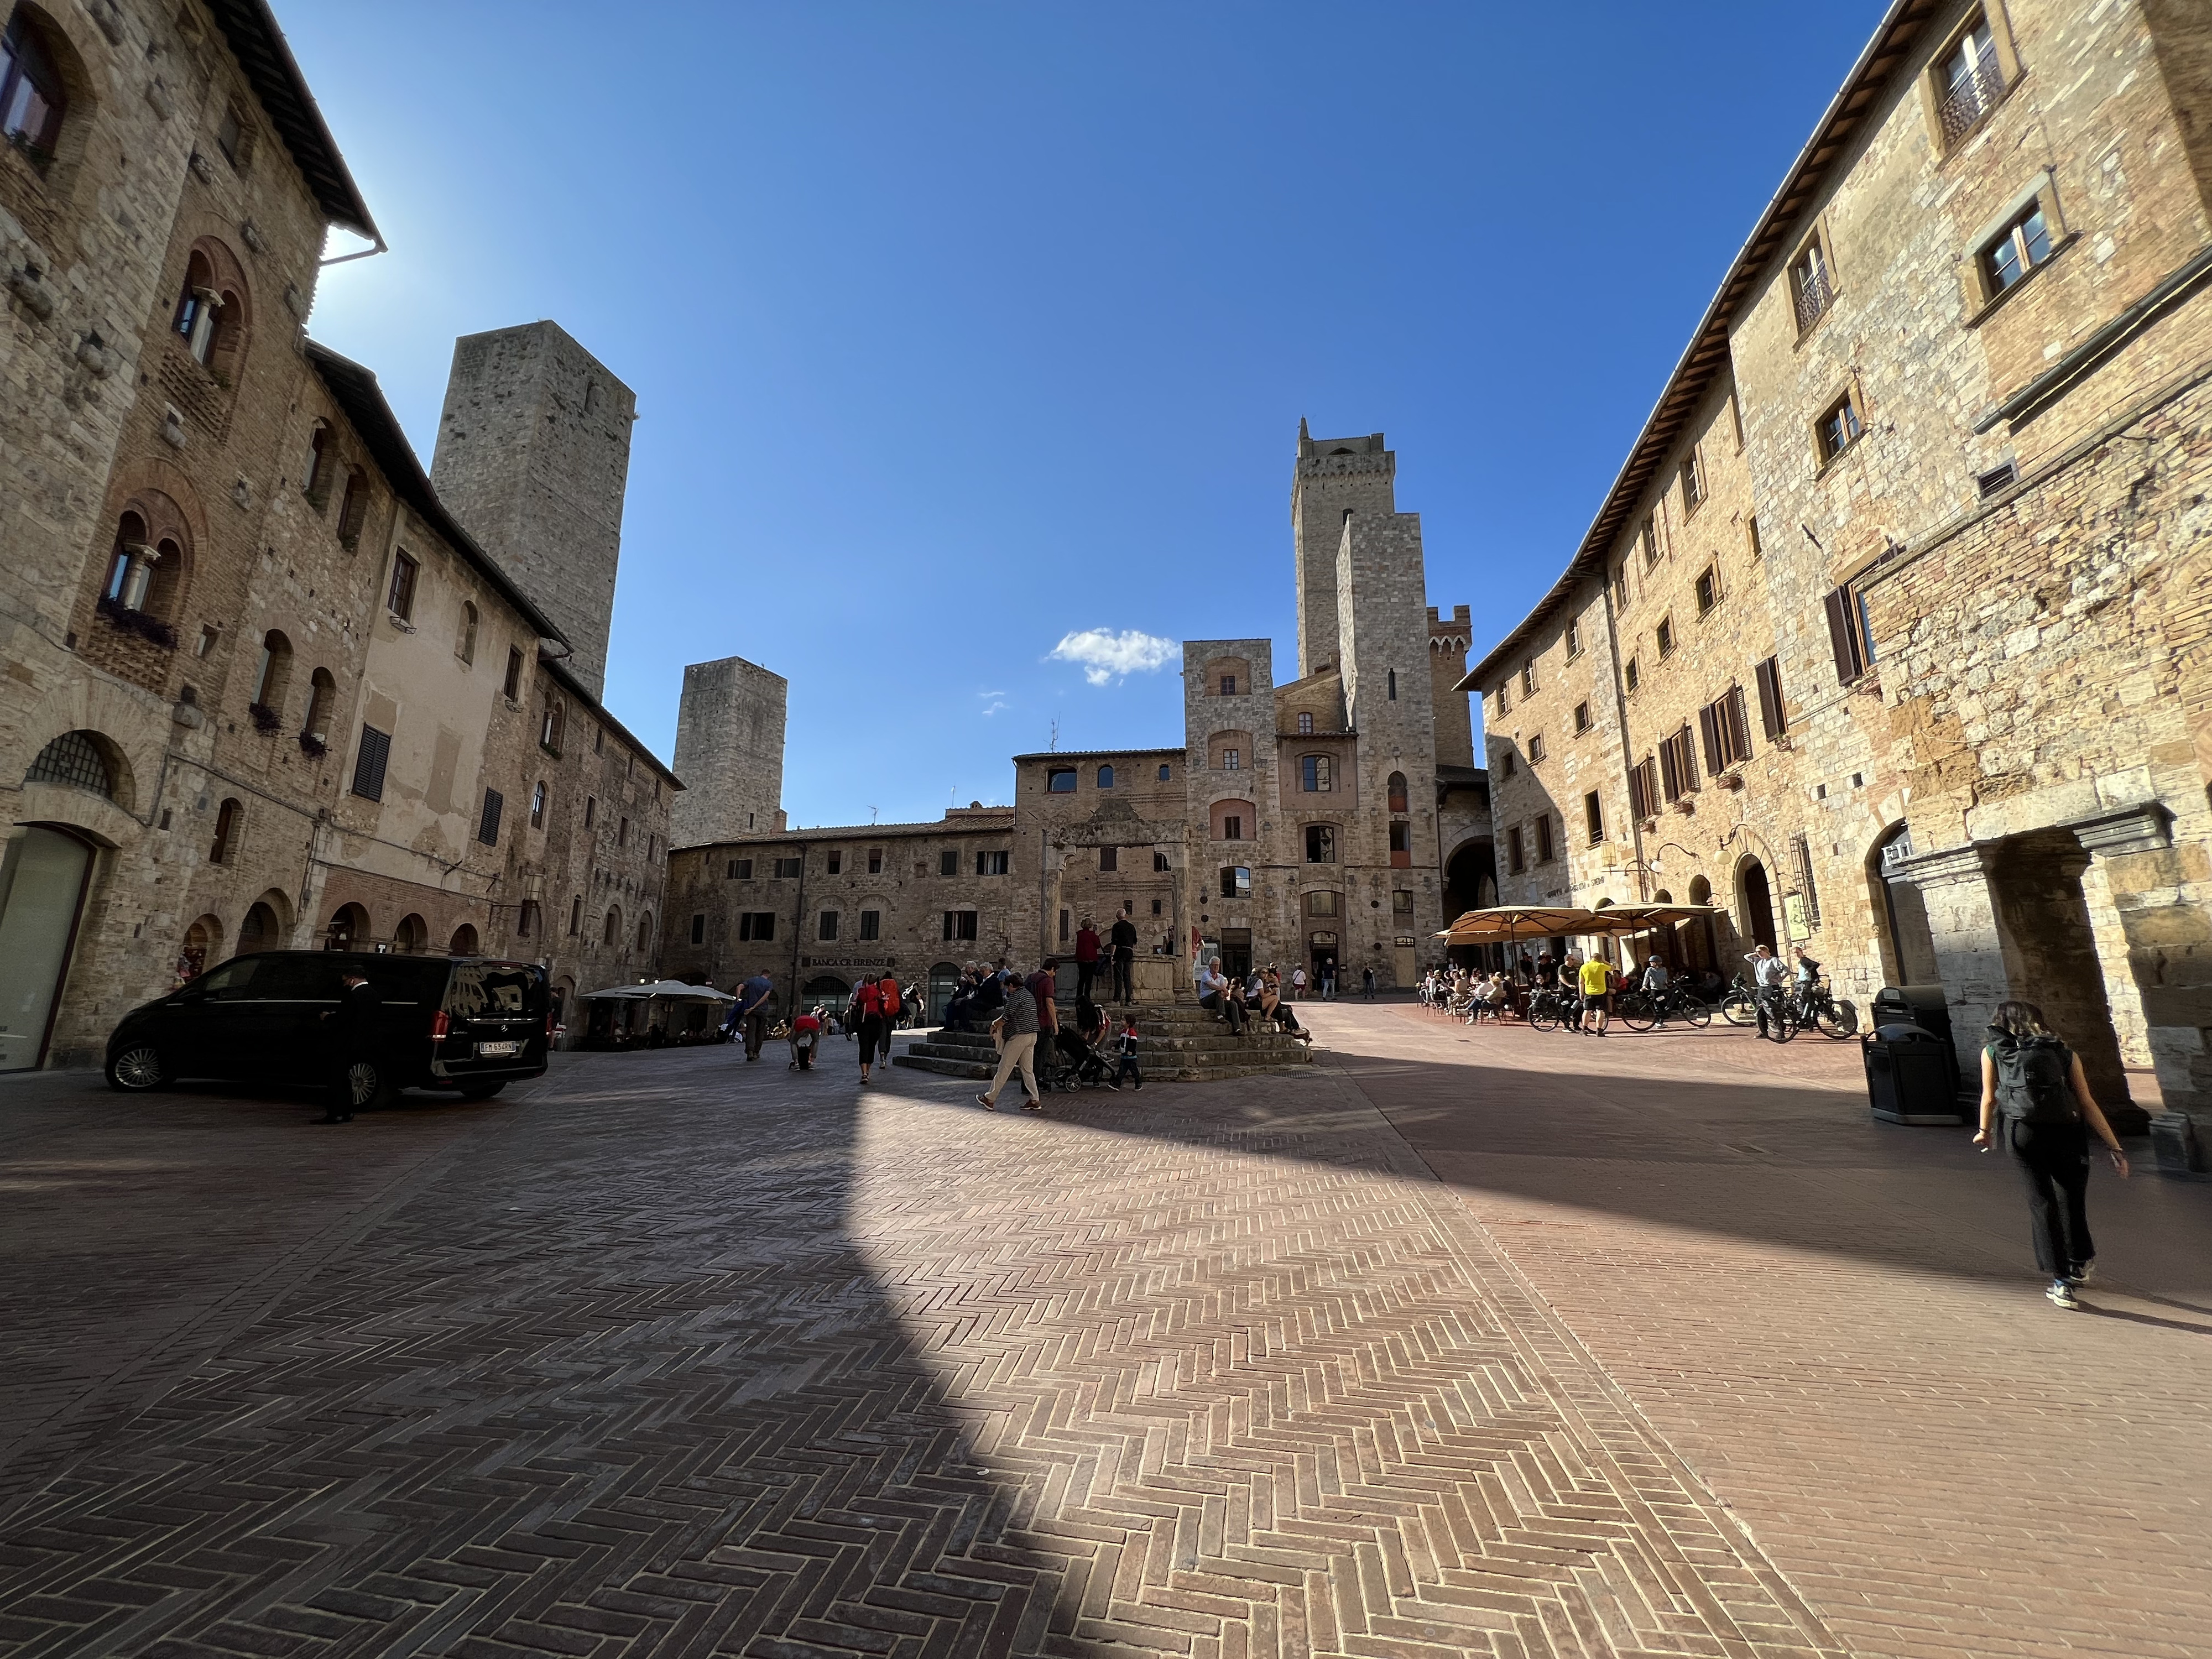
469 1023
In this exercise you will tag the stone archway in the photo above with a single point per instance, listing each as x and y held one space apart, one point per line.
1754 907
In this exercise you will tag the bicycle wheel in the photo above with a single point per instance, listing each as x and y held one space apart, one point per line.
1782 1020
1839 1020
1543 1013
1636 1012
1737 1008
1695 1009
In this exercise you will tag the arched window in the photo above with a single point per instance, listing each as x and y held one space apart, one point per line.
537 806
1305 725
548 729
1394 685
322 694
75 758
33 100
315 483
229 826
464 942
130 568
412 936
260 931
199 308
203 943
271 680
1397 787
353 506
348 929
466 650
614 925
1105 777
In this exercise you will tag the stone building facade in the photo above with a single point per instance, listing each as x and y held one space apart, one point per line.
1889 638
225 720
729 749
1316 821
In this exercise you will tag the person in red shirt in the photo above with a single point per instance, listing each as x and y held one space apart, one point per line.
1086 959
869 1000
891 997
805 1038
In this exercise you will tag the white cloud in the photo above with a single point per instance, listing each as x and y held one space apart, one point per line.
1106 655
992 701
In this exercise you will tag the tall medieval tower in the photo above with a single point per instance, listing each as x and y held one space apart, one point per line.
729 752
1334 478
533 457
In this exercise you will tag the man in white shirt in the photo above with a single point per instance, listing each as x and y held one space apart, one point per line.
1769 977
1217 995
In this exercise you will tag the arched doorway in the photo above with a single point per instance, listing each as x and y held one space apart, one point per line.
826 988
43 877
349 929
464 942
1470 878
202 949
1755 904
260 931
412 936
1908 944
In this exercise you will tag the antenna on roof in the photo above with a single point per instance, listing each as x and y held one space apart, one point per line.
1055 744
871 814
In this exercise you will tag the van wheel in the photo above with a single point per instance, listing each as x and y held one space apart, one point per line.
370 1085
136 1069
481 1090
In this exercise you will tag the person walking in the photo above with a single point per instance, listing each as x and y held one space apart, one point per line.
1086 959
1769 979
869 996
1297 981
2037 1082
1015 1028
1596 977
894 1003
1123 938
1367 984
351 1041
1125 1045
749 1012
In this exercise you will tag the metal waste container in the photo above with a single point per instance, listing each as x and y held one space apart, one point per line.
1922 1006
1908 1072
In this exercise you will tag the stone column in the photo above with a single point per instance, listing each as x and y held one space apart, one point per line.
2161 912
1055 861
1974 959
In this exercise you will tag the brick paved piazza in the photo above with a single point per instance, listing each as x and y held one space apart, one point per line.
1489 1342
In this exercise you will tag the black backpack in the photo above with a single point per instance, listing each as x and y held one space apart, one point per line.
2034 1079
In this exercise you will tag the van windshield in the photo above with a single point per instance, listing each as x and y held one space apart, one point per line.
487 989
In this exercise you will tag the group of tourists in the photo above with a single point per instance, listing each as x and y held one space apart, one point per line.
1024 1022
1236 1000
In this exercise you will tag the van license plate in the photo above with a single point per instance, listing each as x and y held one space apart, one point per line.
495 1050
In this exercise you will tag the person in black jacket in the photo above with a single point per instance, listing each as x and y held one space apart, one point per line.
351 1039
2037 1083
1123 937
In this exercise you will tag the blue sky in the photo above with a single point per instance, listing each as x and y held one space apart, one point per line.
957 329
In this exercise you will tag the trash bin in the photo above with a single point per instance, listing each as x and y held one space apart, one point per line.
1909 1073
1922 1006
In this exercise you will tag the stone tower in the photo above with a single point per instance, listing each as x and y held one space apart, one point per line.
533 457
1333 477
1447 640
729 752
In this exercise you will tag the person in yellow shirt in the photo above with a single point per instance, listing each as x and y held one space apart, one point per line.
1597 978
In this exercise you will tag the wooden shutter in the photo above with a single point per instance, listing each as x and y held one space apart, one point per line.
1771 718
1803 848
1709 722
1843 637
369 765
1637 804
1686 758
1670 778
1738 723
488 828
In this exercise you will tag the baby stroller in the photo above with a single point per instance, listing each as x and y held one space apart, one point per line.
1079 1065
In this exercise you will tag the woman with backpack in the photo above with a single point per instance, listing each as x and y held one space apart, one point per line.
2048 1112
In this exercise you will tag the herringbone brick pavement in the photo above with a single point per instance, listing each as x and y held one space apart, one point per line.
1839 1323
675 1356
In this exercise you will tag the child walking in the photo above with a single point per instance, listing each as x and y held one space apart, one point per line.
1126 1046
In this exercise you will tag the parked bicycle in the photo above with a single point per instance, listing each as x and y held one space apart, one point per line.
1817 1006
1640 1011
1739 1003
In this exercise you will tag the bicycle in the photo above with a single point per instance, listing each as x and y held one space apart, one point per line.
1739 1003
1785 1018
1549 1007
1817 1006
1641 1010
